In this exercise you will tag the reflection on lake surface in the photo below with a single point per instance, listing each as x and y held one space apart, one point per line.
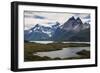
64 53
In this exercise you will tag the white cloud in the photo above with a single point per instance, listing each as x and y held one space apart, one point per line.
47 17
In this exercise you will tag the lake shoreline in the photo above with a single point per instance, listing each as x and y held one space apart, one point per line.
47 42
31 47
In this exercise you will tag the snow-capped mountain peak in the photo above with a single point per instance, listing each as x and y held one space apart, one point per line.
48 30
51 30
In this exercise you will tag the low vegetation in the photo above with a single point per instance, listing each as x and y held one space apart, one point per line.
30 48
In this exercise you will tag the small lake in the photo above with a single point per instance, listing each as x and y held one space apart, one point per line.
64 53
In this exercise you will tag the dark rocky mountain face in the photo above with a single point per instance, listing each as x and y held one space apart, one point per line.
72 30
68 25
83 35
73 24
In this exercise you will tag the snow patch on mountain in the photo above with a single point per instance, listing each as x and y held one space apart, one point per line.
54 30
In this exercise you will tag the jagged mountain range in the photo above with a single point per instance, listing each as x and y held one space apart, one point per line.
72 30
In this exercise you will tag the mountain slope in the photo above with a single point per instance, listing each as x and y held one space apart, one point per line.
72 30
39 32
82 36
73 24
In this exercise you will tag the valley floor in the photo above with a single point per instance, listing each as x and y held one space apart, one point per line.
30 48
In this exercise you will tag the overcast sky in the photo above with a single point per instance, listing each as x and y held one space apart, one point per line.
32 18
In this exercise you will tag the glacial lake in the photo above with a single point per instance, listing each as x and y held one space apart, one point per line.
64 53
46 42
